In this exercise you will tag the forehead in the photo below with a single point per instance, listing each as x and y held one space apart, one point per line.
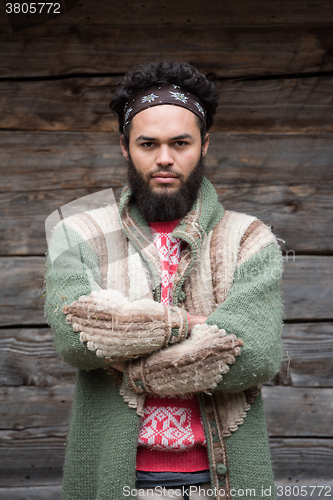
165 119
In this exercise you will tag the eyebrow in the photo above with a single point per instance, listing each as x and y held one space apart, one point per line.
177 138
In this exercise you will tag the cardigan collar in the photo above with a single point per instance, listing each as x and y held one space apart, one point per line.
205 213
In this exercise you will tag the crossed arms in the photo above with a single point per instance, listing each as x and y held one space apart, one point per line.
162 353
161 363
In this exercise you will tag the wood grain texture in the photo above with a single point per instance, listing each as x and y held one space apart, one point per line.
308 360
35 412
27 357
82 104
307 289
21 301
253 12
298 411
34 461
302 459
39 161
52 492
227 51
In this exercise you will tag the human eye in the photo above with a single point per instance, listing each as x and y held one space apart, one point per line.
147 145
181 143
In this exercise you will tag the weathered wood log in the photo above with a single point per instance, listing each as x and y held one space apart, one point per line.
302 459
21 301
308 360
307 289
36 412
27 357
254 12
275 105
298 411
42 161
260 50
25 462
52 492
82 104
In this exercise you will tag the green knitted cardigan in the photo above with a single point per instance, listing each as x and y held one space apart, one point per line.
102 442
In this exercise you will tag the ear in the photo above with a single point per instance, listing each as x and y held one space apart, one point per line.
123 147
205 144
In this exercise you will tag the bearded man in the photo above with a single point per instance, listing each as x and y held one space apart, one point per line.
174 321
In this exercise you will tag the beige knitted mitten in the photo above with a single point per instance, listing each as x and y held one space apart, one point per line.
195 365
119 329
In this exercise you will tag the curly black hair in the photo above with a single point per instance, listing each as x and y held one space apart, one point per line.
145 75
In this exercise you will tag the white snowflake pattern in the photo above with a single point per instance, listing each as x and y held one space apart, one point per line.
128 112
149 98
167 428
200 108
165 278
169 250
179 96
174 259
175 86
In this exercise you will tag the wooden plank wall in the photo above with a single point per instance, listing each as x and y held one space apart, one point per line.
271 155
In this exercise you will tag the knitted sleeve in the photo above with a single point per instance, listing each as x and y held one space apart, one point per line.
92 326
238 347
253 311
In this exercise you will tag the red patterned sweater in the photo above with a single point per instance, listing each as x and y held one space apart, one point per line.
171 436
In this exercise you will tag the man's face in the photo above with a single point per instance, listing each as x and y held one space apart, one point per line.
165 161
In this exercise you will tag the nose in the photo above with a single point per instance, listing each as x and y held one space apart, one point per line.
164 156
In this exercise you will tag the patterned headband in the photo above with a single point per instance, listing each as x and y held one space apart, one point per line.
163 94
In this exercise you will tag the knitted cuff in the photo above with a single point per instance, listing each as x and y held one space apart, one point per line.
134 375
176 322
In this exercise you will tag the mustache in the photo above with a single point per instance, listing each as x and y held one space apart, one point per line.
179 175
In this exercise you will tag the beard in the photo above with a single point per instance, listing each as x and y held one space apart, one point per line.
165 206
